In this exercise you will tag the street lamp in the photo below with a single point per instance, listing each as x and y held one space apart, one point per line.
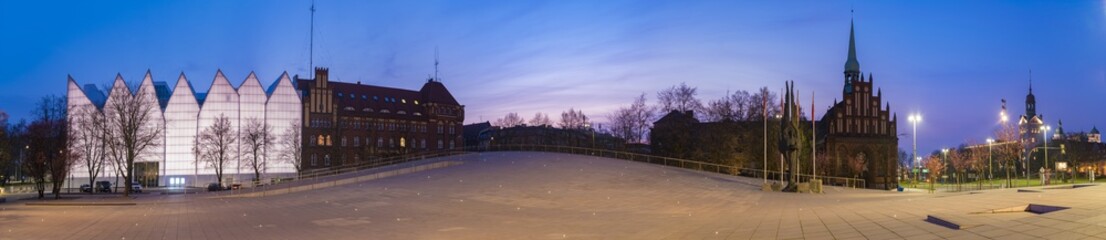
915 119
1044 136
945 161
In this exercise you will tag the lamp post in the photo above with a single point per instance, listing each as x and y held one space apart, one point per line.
915 119
945 162
1044 137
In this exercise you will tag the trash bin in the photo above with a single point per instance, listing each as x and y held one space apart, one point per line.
900 188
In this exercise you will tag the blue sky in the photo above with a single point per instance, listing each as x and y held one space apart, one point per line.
952 61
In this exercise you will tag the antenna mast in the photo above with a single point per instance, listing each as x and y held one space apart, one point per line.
436 64
311 52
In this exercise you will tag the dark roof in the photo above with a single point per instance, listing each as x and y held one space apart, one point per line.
471 131
95 95
676 115
163 93
435 92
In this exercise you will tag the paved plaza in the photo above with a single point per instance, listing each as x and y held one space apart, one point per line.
533 195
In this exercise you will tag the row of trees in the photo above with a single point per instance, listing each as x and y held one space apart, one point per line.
633 122
41 146
570 119
980 159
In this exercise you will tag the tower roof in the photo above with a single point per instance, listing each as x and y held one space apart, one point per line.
851 64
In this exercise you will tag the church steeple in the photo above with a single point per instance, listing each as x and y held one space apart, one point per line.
852 66
1030 100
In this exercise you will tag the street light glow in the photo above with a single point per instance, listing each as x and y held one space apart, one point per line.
990 140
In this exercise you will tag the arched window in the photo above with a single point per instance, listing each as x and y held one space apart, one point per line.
326 159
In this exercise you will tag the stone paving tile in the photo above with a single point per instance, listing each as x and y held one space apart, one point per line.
521 195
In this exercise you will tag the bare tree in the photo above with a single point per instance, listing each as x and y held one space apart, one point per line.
257 137
292 141
48 139
573 119
90 140
756 106
632 123
1008 149
215 146
511 120
936 167
960 164
732 107
540 119
132 130
680 98
5 148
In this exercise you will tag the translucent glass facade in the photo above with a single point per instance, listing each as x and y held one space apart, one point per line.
181 116
283 111
184 114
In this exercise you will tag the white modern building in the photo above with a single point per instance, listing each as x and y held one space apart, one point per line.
182 113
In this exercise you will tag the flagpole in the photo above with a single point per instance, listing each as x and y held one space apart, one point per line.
813 139
764 112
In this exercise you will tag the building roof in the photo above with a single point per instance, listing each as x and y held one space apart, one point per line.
435 91
1094 130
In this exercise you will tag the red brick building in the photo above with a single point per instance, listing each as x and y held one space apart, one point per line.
350 123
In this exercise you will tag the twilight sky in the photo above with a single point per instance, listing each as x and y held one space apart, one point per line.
951 61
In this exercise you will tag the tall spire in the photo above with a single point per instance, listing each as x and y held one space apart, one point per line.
311 52
851 64
1030 81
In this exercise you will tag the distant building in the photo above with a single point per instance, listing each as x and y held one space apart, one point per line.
857 129
1094 136
182 113
1029 124
351 123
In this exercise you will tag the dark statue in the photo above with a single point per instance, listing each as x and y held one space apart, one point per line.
790 140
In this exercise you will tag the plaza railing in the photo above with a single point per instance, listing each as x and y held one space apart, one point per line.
337 175
680 163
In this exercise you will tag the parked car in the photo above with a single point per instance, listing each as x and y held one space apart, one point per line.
103 186
86 188
136 187
215 187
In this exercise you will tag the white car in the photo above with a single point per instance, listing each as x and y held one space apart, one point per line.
136 187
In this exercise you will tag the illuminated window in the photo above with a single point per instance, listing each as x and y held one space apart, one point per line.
416 102
402 142
321 141
403 100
